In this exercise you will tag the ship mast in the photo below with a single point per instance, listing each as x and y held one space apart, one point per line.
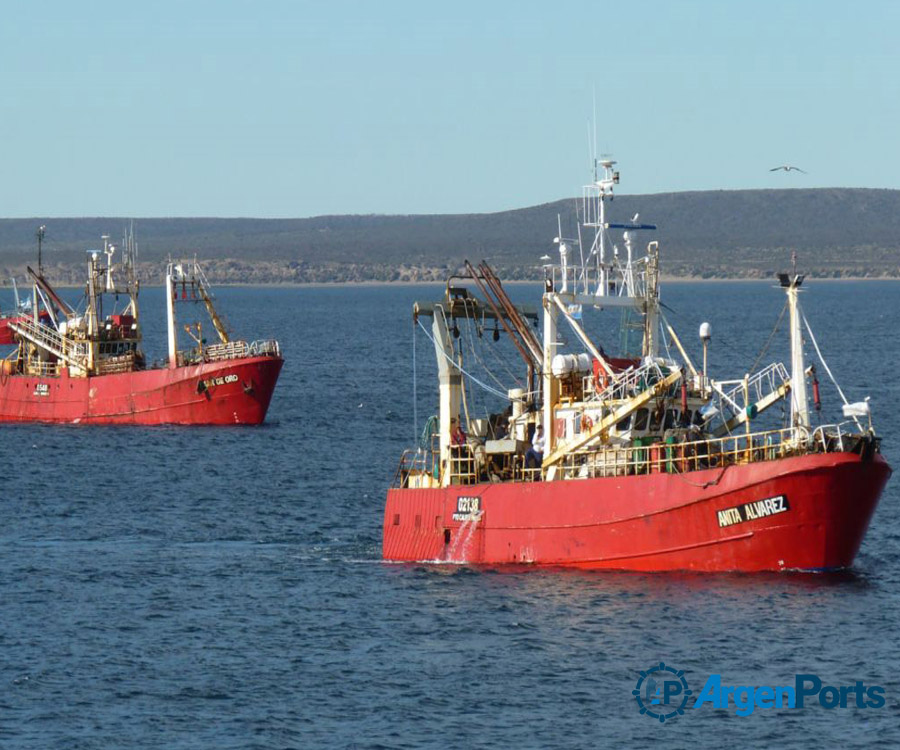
40 234
799 403
91 312
449 380
172 334
190 276
596 284
130 259
651 303
550 385
594 199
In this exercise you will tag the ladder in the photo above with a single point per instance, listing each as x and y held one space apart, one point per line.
766 381
51 342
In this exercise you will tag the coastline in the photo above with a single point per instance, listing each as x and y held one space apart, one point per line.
511 282
526 282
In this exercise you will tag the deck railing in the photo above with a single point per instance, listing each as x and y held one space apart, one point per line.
50 340
587 279
112 365
468 464
680 457
241 349
41 369
222 353
760 385
413 467
665 457
625 384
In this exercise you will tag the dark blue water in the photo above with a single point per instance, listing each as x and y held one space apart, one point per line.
222 588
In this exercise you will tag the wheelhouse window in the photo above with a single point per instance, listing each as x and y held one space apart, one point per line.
671 419
641 417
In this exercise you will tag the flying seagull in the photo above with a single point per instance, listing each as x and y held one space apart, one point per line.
788 168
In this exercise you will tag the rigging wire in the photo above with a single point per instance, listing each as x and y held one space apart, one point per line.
485 386
462 385
765 348
505 365
414 390
481 361
462 390
825 365
470 336
665 339
739 349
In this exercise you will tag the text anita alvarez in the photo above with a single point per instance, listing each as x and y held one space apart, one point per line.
771 506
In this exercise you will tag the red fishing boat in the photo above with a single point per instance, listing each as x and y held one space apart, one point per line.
86 364
648 463
21 311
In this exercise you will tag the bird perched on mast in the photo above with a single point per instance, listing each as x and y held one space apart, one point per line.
788 168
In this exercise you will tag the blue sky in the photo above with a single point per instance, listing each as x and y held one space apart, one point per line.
292 109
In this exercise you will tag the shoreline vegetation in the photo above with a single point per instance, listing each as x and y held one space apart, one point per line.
837 233
230 272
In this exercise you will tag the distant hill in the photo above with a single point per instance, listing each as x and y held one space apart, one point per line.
742 233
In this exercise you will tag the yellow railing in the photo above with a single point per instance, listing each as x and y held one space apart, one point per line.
41 369
422 468
662 457
674 457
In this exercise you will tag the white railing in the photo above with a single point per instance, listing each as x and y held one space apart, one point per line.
623 385
587 279
764 382
51 341
241 349
832 437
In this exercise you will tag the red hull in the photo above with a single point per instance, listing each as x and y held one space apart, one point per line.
238 392
655 522
7 335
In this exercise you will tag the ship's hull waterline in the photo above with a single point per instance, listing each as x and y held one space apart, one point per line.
235 391
804 513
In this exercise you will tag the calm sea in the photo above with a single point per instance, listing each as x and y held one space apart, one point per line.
222 588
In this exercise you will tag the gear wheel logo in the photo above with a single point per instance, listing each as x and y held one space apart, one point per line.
662 692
